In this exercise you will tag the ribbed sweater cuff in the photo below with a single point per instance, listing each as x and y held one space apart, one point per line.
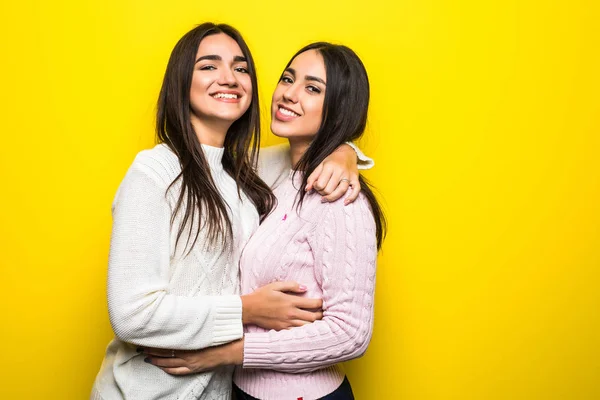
256 350
364 162
228 320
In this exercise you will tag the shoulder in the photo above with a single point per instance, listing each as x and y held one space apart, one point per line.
279 153
346 229
273 163
159 164
148 178
356 214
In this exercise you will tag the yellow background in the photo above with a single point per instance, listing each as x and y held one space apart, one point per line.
485 128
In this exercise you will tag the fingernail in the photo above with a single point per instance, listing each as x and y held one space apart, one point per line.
139 349
147 360
302 287
323 200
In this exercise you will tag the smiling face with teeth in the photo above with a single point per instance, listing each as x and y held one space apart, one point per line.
221 90
297 105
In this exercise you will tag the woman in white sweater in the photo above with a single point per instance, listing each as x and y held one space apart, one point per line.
321 101
181 216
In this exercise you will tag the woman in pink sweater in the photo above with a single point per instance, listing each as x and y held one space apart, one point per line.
320 102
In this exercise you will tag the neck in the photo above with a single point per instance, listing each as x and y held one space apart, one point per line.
297 149
210 132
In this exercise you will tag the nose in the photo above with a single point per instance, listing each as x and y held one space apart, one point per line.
227 78
291 94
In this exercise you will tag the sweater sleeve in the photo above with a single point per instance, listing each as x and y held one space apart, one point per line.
345 253
141 309
364 161
274 162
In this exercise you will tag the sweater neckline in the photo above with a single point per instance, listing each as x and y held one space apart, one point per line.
295 180
214 156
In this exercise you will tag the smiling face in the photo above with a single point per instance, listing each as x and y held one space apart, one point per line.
297 104
221 89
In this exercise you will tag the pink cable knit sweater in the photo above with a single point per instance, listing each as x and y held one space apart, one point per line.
330 248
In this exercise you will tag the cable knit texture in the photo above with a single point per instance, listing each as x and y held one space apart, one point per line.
159 296
330 248
274 163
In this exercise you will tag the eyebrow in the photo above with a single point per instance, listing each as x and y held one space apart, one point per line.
307 77
215 57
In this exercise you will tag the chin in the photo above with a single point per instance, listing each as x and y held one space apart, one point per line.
230 117
277 131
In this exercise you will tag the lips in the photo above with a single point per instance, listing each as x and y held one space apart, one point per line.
285 114
226 96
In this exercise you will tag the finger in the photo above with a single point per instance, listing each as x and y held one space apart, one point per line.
318 315
158 352
297 322
289 286
337 193
163 362
323 180
178 371
313 177
308 316
307 304
353 194
334 181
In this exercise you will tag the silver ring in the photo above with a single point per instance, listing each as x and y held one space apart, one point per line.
172 353
345 179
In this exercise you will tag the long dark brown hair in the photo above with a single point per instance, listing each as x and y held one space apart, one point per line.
199 199
345 109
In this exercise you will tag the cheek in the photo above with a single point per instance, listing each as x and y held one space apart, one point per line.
316 114
246 84
198 87
276 95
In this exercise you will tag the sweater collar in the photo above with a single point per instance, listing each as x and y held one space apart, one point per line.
214 156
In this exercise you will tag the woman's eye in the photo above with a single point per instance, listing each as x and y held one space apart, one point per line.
242 70
313 89
207 68
286 79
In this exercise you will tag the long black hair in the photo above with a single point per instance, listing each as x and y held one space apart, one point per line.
345 110
199 199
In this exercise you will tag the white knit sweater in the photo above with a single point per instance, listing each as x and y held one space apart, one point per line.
159 298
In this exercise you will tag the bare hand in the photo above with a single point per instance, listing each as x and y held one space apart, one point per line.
185 362
270 307
335 175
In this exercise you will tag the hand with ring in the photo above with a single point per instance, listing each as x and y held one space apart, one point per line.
335 175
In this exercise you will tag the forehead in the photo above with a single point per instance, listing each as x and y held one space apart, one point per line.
309 63
219 44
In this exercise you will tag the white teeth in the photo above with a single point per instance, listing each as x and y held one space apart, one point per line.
288 112
225 96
